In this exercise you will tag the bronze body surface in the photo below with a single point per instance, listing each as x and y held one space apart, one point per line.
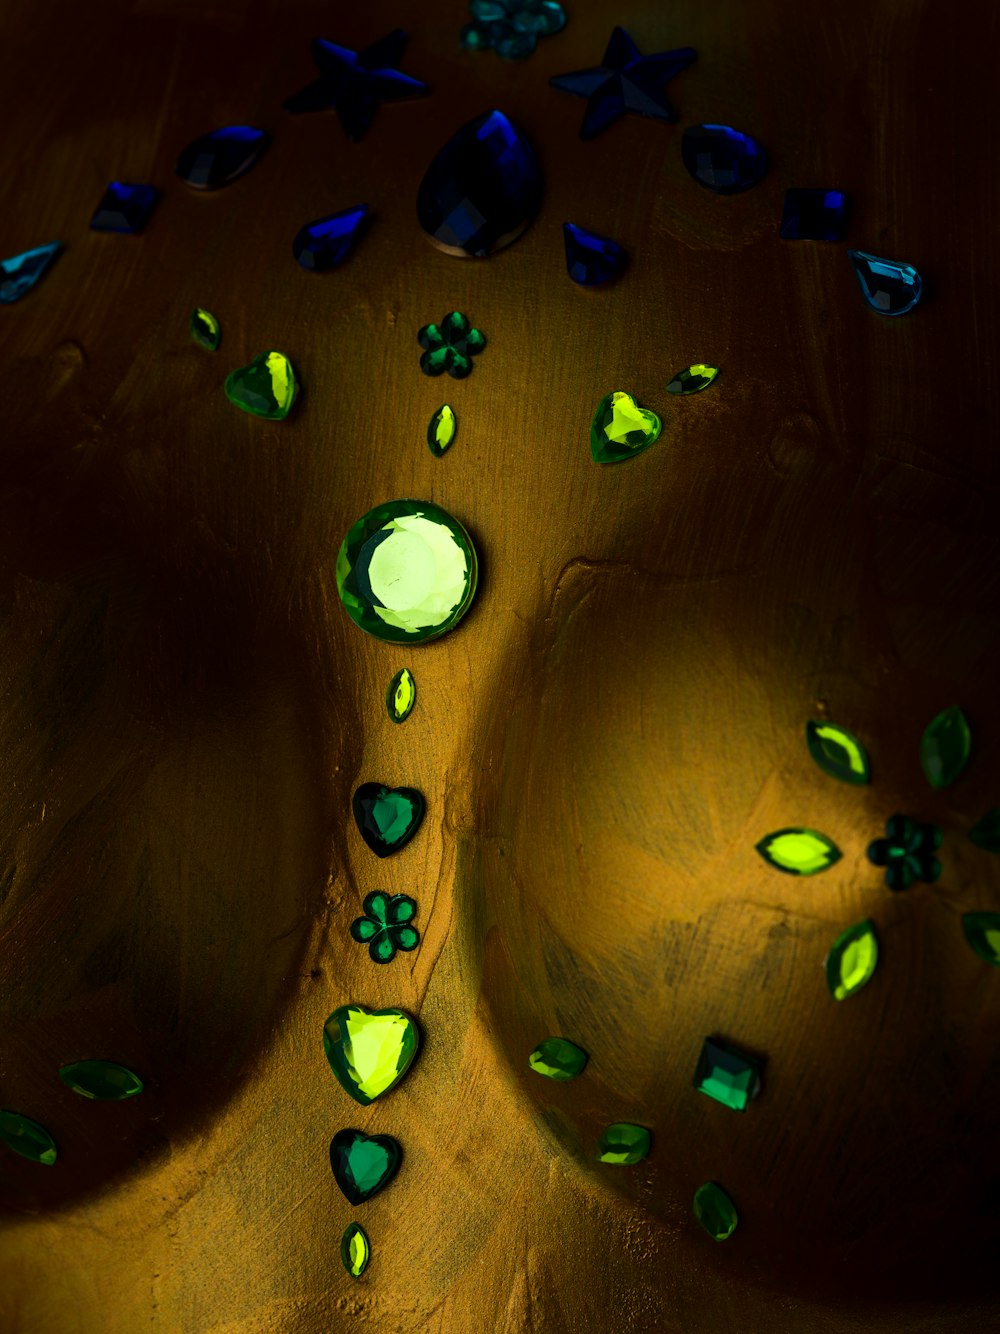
601 741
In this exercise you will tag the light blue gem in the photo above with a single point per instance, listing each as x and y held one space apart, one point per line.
20 273
890 287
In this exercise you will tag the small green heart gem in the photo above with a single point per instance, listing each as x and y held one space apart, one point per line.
362 1164
369 1050
387 817
267 387
621 429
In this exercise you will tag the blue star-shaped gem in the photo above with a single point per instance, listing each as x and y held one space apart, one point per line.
355 82
625 81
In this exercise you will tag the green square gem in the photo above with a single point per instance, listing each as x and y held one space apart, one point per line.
727 1074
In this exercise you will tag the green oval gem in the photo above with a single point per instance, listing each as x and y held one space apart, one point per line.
369 1050
693 379
401 696
838 753
623 1144
621 429
715 1211
799 851
355 1250
442 430
205 329
406 571
852 960
557 1058
945 747
106 1080
265 388
985 833
982 931
27 1138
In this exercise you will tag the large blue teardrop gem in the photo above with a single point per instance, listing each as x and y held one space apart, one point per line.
219 157
482 190
723 159
890 287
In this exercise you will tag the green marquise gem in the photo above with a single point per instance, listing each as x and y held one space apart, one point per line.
557 1058
985 833
945 747
442 429
623 1144
355 1250
406 571
621 429
27 1138
982 931
266 388
692 379
728 1074
852 960
105 1080
715 1211
401 696
838 753
369 1050
205 329
799 851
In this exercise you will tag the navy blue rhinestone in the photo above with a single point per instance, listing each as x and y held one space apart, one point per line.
327 242
591 258
124 208
813 215
723 159
219 157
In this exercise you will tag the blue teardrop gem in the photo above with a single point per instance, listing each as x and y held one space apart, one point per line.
591 258
20 273
219 157
327 242
723 159
124 208
482 190
889 287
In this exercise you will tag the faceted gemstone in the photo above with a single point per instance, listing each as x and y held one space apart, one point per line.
623 1144
985 833
813 215
715 1211
482 190
441 430
106 1080
723 159
624 81
324 244
356 82
19 274
558 1058
450 346
489 11
406 571
401 696
362 1164
541 17
355 1250
591 258
267 387
837 752
387 817
852 960
124 208
369 1050
799 851
27 1137
945 747
511 42
220 156
385 926
889 286
205 329
693 379
621 429
727 1074
982 931
907 852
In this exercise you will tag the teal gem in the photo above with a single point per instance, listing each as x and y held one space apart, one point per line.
363 1164
727 1074
387 817
19 274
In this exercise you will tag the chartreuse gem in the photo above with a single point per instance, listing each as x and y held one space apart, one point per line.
355 1250
267 387
692 379
982 931
985 833
715 1211
557 1058
852 960
727 1074
945 747
623 1144
798 851
442 429
106 1080
369 1050
27 1138
621 429
401 696
205 329
837 752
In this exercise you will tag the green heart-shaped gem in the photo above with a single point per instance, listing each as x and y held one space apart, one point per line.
267 387
387 817
621 429
369 1050
362 1164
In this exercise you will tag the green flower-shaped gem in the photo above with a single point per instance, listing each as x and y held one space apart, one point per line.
385 926
907 852
450 346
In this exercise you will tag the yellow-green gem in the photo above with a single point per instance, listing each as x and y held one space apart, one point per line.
266 388
852 960
205 329
623 1144
401 696
442 429
837 752
557 1058
106 1080
982 931
692 379
798 851
715 1211
355 1250
621 429
369 1050
27 1138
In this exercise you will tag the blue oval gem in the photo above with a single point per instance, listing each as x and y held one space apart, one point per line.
591 258
723 159
890 287
327 242
219 157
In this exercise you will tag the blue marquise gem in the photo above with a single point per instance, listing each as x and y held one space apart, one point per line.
327 242
482 190
591 258
124 208
20 273
813 215
723 159
890 287
219 157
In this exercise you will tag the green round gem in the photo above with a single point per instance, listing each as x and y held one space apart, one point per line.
406 571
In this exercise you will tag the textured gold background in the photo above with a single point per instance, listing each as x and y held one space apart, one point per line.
186 709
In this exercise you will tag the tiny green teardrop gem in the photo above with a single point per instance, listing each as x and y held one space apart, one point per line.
266 388
27 1138
982 931
692 379
837 752
945 747
623 1144
355 1250
852 960
205 329
985 833
442 429
557 1058
715 1211
401 696
106 1080
799 851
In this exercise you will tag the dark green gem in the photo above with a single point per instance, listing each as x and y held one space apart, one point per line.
982 931
557 1058
693 379
715 1211
382 928
945 747
27 1138
105 1080
728 1074
985 833
363 1164
623 1144
838 753
387 817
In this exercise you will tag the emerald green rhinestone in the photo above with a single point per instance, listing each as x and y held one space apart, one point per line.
727 1074
27 1138
406 571
205 329
387 817
852 960
945 747
557 1058
265 388
982 931
715 1211
837 752
106 1080
692 379
363 1164
798 851
985 833
623 1144
355 1250
401 696
442 429
621 429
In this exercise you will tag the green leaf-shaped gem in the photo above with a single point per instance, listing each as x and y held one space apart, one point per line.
852 960
355 1250
715 1211
799 851
106 1080
692 379
985 833
558 1058
27 1138
401 696
442 429
982 931
266 388
205 329
837 752
623 1144
621 429
945 747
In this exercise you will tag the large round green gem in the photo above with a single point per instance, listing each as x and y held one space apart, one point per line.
406 571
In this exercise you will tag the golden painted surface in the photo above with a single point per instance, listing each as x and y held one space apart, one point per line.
620 718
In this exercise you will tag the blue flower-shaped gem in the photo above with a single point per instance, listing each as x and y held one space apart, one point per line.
124 208
385 927
907 852
511 28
